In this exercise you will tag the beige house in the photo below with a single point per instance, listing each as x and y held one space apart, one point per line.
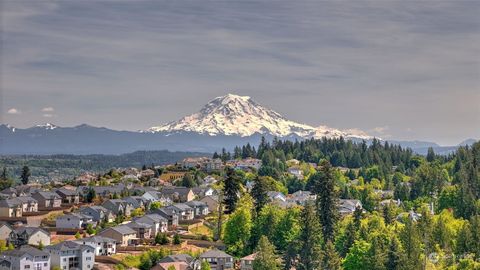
10 208
122 234
5 231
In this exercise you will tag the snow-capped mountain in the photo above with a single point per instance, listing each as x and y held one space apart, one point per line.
234 115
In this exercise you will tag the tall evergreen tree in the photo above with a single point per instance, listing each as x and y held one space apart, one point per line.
330 258
265 258
310 240
324 187
231 190
259 193
430 154
394 255
410 238
25 175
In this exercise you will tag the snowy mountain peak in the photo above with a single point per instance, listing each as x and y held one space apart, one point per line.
47 126
242 116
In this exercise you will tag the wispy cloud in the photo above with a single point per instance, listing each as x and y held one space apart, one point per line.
14 111
48 109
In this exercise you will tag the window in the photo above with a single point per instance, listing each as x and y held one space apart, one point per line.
64 259
89 258
45 264
27 266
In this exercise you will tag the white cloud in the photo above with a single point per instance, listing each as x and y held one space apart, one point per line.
380 130
48 115
48 109
14 111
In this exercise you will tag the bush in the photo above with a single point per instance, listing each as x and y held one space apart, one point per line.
176 239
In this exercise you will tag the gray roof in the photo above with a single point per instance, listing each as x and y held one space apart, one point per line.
9 203
25 199
215 253
181 206
122 229
177 258
96 238
24 250
68 245
67 192
30 230
47 194
136 224
196 203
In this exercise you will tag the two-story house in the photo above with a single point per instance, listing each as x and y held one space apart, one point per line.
98 213
74 221
47 199
104 246
29 236
68 196
122 234
69 255
26 258
217 259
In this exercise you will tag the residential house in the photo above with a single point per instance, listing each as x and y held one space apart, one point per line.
98 213
104 246
5 231
69 255
119 207
29 236
68 196
179 194
211 201
346 207
29 204
246 263
296 171
74 221
215 164
178 261
25 258
159 224
276 196
200 192
301 197
156 196
136 201
47 199
10 208
184 211
199 208
195 162
168 213
143 230
217 259
122 234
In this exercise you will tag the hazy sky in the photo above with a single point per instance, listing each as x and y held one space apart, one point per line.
398 70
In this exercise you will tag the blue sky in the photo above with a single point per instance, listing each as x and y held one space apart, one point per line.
395 69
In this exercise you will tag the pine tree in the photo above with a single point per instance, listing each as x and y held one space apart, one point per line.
25 175
430 155
310 240
259 193
394 255
4 175
410 238
330 258
231 190
265 258
324 187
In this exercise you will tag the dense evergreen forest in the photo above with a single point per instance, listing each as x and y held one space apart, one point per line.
419 212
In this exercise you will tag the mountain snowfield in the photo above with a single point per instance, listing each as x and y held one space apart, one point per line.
234 115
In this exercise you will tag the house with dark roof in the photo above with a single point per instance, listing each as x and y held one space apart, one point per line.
98 213
29 204
10 208
347 207
246 263
217 259
47 199
184 211
29 236
211 201
25 257
159 224
104 246
200 209
119 207
157 196
136 201
69 255
68 196
143 230
122 234
169 213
